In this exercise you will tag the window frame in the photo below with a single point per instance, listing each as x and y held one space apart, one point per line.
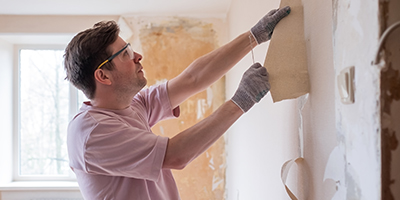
73 108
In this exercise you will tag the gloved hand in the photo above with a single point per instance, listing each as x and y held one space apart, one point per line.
262 31
252 88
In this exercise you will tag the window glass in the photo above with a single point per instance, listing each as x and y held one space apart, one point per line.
43 113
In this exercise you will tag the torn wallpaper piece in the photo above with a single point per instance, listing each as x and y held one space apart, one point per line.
286 59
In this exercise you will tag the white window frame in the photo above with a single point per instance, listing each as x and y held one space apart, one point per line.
73 105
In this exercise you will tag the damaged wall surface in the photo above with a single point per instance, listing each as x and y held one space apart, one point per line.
356 34
342 141
168 46
390 101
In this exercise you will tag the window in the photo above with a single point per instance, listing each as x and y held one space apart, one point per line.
46 103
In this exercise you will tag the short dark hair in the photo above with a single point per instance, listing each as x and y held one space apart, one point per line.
87 50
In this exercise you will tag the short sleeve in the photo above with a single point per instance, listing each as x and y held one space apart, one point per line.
116 149
155 104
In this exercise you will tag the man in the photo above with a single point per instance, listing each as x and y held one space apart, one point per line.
111 147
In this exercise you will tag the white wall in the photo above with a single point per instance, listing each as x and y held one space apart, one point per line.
319 113
265 137
6 79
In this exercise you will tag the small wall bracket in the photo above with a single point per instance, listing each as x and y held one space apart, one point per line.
345 82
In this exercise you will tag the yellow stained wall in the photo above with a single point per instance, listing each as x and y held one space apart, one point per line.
168 48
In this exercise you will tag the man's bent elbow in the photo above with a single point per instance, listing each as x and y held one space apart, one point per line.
177 164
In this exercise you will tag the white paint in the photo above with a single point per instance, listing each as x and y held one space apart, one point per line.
134 23
162 130
358 124
125 30
216 182
354 10
6 118
211 163
334 170
319 112
210 97
211 166
159 82
201 108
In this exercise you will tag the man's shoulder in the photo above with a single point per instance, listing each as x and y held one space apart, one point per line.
92 114
91 118
153 90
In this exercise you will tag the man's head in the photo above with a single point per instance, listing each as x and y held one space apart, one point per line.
86 51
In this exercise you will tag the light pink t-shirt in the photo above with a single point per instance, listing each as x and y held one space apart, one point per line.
115 155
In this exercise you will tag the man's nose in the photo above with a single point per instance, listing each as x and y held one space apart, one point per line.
137 57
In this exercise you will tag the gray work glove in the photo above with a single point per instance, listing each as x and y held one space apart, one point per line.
262 31
252 88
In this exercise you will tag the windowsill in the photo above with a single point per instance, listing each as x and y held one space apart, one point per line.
39 186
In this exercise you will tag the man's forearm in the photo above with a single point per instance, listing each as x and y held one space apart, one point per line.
212 66
189 144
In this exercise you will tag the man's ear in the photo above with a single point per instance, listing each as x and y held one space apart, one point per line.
102 77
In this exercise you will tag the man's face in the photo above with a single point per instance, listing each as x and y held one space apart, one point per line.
127 77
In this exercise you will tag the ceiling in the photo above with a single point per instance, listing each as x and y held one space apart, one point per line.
113 7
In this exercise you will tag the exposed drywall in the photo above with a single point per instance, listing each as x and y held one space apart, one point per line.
390 102
356 33
168 46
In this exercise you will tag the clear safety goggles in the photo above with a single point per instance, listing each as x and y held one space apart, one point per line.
125 54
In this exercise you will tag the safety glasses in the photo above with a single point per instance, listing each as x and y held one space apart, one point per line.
127 54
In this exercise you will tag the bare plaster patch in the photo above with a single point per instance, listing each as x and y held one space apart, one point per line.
169 45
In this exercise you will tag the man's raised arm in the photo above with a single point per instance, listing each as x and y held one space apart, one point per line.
207 69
